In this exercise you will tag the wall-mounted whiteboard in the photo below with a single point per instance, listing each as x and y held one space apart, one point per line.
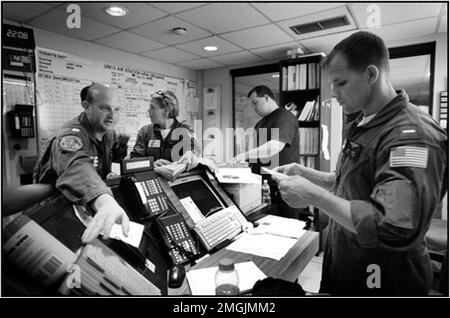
61 76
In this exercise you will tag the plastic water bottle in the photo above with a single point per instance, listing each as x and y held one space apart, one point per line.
227 278
266 193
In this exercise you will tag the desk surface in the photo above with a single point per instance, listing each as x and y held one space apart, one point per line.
287 268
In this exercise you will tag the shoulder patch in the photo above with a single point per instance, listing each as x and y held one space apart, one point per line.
71 143
409 156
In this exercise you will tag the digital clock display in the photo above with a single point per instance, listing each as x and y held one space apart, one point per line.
19 37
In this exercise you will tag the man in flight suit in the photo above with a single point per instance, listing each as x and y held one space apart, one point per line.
80 156
389 180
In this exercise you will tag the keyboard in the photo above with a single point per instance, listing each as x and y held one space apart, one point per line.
220 226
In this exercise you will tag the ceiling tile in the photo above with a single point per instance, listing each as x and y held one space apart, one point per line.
55 21
283 11
258 37
162 30
200 64
139 13
22 12
336 12
171 55
276 51
236 58
325 43
175 7
406 30
196 47
224 17
395 12
129 42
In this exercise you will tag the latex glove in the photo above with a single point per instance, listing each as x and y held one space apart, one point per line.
292 169
161 162
108 213
190 159
296 191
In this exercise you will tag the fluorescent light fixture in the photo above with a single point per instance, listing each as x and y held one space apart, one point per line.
276 75
210 48
116 11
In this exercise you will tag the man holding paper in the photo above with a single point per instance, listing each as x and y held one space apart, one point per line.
389 180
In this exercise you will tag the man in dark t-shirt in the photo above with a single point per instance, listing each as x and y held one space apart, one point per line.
277 141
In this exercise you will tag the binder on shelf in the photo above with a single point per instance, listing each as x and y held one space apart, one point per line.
303 76
306 111
312 76
284 80
291 77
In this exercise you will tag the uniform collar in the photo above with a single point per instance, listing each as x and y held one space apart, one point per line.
387 112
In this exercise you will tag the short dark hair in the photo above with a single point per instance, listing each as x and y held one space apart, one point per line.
261 90
360 50
84 96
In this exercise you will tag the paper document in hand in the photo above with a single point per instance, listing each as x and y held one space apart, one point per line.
274 173
202 281
276 225
263 244
134 234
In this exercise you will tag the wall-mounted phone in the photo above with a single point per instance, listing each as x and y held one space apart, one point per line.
21 121
177 238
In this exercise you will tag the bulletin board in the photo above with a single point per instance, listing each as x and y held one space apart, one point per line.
61 76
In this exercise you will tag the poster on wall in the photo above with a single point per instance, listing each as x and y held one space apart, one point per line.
61 76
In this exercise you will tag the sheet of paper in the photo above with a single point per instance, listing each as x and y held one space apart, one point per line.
134 235
202 281
277 225
263 244
274 173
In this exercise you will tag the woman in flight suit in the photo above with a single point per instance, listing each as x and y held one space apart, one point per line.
166 139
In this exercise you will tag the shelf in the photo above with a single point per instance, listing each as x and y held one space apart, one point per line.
309 154
309 124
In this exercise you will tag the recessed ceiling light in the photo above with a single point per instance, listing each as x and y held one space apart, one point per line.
116 11
179 30
210 48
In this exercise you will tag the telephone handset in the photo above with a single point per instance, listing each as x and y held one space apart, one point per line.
147 196
174 230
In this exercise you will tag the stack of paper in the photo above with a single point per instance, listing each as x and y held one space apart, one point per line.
171 171
202 281
234 175
276 225
262 244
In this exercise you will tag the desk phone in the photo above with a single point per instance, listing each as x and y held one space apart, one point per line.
148 198
180 244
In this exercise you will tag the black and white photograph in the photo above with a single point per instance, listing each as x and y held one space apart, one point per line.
224 157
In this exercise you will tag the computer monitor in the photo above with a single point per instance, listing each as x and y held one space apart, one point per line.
201 193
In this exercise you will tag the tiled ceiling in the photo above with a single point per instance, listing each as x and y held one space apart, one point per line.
245 32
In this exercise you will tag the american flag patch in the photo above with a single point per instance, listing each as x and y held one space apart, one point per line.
409 156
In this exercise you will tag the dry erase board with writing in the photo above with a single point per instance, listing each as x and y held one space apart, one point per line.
61 76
